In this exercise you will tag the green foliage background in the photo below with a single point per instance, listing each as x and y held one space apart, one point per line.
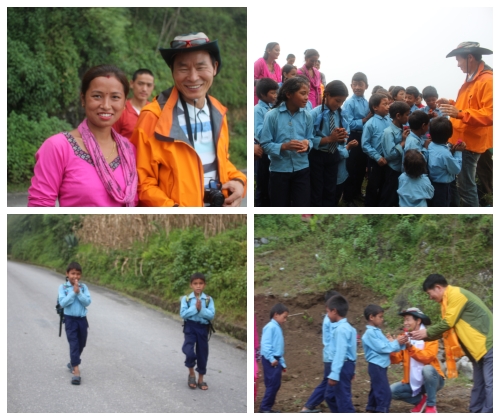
49 50
391 254
161 266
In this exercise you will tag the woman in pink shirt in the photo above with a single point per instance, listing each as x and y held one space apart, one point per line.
92 165
267 66
311 57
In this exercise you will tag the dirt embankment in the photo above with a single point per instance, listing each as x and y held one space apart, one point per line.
304 349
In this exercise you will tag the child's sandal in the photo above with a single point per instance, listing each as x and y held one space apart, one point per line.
203 384
192 381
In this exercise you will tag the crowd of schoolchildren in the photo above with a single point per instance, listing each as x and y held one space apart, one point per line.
314 145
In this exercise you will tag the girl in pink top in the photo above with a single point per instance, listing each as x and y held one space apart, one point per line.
311 56
267 66
92 165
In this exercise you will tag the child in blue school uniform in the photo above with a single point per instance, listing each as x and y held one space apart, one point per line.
287 138
411 97
393 142
430 95
357 113
272 350
377 349
415 187
444 162
342 173
371 142
417 139
342 352
267 92
74 297
197 311
318 395
329 131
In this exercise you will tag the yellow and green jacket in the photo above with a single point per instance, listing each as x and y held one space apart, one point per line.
472 320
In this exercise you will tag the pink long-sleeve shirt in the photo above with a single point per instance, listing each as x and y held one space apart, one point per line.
260 71
64 171
315 85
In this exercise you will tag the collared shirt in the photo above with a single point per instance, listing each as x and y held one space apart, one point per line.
280 126
259 112
189 311
442 164
426 109
371 140
355 109
414 108
342 173
342 346
272 344
417 143
128 120
391 146
74 304
414 192
377 347
326 336
324 115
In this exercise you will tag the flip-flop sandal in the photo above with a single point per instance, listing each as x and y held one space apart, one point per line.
70 367
201 385
76 380
192 381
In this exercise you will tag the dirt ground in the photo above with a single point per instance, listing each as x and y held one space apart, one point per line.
304 349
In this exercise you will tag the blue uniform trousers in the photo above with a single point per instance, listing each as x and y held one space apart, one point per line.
318 395
379 398
442 195
323 174
195 346
356 166
76 332
339 397
272 381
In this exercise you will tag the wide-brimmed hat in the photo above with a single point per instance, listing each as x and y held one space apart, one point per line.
417 313
469 47
194 41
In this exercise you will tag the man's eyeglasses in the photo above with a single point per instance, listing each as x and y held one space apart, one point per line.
189 43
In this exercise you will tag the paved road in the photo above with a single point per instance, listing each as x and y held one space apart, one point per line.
132 363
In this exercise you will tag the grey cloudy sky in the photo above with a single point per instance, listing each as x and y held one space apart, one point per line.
400 43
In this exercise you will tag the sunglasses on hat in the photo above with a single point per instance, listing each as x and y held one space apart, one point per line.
189 43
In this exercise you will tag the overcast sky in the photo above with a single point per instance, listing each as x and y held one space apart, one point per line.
402 45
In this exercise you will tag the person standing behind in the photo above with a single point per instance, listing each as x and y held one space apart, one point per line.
142 84
267 66
467 323
357 113
309 70
414 186
430 96
472 116
411 97
290 59
419 125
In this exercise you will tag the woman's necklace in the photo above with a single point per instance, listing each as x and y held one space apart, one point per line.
112 150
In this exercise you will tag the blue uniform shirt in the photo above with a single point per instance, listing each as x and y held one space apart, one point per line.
442 165
355 109
280 126
272 343
414 192
259 112
391 146
377 347
190 313
371 140
414 108
415 142
324 115
326 336
74 304
426 109
342 173
342 346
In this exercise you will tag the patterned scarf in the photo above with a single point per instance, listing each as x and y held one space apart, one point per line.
452 347
315 80
127 161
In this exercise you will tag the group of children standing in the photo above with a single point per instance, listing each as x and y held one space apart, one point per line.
307 156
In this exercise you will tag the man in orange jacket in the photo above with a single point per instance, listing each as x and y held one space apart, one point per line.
182 137
422 372
471 116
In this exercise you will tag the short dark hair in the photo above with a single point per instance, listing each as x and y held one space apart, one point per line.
377 87
278 309
310 53
291 85
360 77
412 90
197 276
264 85
414 163
418 119
398 107
287 68
440 130
73 266
395 90
375 100
339 303
372 310
142 71
290 56
433 280
429 91
329 294
269 46
104 70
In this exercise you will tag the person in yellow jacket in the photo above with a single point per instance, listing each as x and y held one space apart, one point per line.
471 115
182 137
422 376
466 324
